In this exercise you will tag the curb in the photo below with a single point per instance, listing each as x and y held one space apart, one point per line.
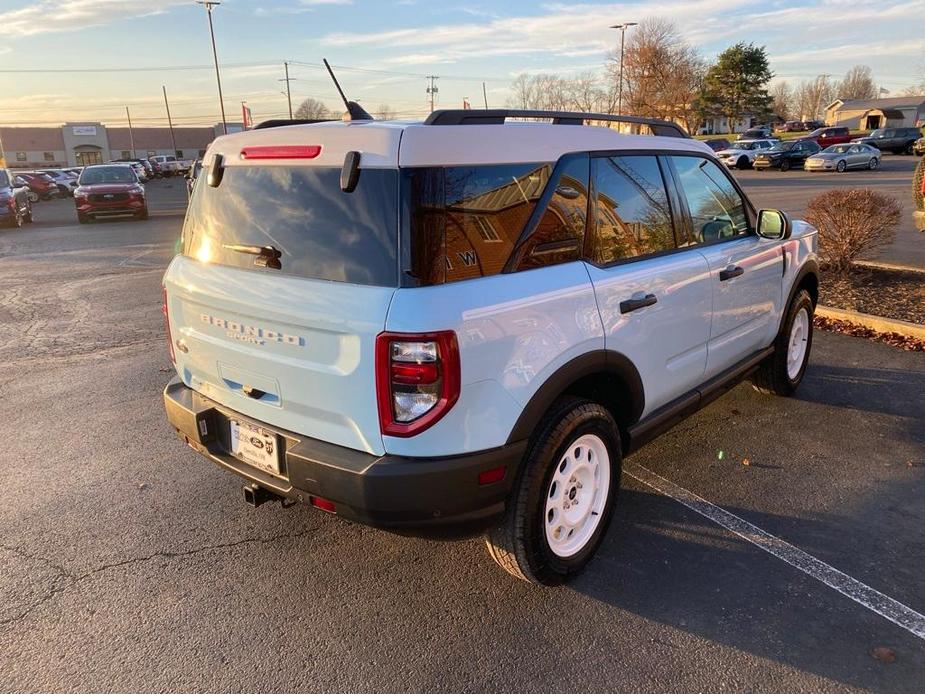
178 213
888 266
881 325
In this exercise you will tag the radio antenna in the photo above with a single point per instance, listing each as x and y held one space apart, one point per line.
354 110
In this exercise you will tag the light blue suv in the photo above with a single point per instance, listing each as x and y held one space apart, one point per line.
464 325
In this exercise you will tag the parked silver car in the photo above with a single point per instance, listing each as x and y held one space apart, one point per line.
843 157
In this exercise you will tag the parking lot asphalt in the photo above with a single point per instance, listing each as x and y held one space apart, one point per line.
792 190
131 564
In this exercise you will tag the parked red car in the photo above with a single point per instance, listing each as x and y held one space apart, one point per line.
109 190
42 186
830 136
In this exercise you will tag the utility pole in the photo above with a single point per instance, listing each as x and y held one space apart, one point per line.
131 133
432 90
485 95
209 4
287 80
622 27
173 140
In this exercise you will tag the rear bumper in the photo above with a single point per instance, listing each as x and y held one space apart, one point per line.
418 495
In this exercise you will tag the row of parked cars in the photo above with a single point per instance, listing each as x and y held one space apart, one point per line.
824 149
46 184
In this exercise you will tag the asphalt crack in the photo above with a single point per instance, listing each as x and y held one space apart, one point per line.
65 580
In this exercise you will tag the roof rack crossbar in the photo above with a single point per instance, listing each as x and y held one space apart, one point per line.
497 116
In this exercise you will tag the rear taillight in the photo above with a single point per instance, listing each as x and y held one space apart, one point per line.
166 312
417 380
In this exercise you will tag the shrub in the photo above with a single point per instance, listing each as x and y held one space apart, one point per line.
852 221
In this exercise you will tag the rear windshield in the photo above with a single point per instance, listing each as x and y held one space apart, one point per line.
320 231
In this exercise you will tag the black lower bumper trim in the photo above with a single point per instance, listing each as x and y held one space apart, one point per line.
429 495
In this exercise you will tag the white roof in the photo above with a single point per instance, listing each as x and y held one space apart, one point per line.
387 144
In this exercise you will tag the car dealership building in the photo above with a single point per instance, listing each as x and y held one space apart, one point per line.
85 143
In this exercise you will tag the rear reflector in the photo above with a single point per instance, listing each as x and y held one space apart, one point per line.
281 152
496 474
323 504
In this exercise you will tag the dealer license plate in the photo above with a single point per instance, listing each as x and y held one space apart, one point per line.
255 446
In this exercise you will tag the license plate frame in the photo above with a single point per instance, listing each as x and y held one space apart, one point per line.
254 445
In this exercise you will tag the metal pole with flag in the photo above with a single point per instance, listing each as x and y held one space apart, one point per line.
246 116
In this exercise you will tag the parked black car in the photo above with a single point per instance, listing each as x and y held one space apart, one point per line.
786 155
717 144
15 206
895 140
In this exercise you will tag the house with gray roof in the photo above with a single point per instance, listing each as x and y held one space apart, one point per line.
870 114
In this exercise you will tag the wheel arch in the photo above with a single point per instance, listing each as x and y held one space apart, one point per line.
807 278
603 376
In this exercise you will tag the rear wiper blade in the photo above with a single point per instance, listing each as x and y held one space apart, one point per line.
267 256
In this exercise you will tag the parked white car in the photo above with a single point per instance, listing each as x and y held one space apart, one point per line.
168 164
741 154
465 324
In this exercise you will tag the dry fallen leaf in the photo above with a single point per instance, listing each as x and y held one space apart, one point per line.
746 461
884 654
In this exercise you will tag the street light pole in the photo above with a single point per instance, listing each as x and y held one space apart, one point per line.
622 27
209 4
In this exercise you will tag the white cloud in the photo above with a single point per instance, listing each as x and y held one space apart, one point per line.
50 16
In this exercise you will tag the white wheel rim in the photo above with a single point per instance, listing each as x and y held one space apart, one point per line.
799 337
576 495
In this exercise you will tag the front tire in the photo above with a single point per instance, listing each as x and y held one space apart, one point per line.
563 500
785 165
841 166
742 163
873 163
782 372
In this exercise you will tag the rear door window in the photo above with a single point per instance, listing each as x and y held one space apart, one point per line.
632 214
319 231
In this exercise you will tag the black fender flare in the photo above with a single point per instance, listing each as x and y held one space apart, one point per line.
810 267
598 361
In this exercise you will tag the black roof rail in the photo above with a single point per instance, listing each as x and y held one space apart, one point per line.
497 116
281 122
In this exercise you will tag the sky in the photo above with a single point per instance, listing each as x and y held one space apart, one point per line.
68 60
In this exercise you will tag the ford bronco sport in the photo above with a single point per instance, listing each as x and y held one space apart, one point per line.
465 324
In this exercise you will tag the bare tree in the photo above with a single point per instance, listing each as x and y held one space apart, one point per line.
857 84
812 96
662 73
312 109
554 93
385 112
782 100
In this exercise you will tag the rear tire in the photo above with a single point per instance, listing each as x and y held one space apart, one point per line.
782 372
83 219
873 163
841 166
143 215
563 499
742 163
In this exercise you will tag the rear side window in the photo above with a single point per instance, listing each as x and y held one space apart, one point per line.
717 210
631 209
464 221
319 231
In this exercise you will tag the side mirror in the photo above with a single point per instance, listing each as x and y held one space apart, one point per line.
774 224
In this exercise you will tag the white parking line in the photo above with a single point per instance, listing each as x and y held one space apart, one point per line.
872 599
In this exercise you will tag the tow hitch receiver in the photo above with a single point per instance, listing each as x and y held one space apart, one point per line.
255 495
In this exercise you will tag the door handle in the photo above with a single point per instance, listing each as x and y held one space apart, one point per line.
730 272
634 304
